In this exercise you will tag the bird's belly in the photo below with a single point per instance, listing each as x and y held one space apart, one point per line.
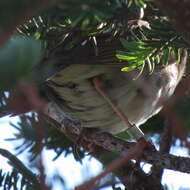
84 103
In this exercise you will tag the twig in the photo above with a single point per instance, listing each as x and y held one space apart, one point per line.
131 154
21 167
179 129
135 178
114 144
165 145
130 174
40 136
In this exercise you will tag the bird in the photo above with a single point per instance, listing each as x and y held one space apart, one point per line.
91 88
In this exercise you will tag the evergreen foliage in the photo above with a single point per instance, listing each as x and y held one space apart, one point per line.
32 54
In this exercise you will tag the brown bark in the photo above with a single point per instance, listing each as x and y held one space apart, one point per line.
114 144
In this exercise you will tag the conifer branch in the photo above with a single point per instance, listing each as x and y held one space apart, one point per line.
29 175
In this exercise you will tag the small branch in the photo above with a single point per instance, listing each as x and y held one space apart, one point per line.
179 129
165 145
114 144
39 164
134 152
21 167
166 141
130 175
135 178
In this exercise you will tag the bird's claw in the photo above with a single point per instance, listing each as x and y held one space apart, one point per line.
146 144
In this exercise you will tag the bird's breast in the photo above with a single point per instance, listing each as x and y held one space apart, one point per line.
139 99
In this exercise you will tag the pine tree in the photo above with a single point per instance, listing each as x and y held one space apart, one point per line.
40 38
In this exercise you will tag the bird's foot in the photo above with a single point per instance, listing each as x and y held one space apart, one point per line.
84 132
146 144
143 145
79 143
81 136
